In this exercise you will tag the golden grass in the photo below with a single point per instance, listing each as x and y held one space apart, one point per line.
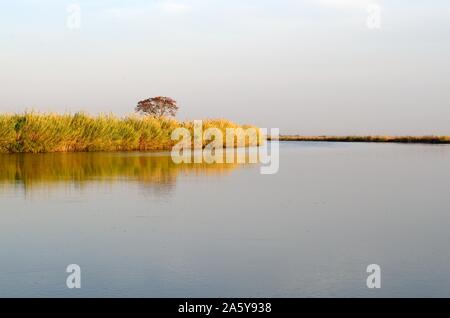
392 139
40 133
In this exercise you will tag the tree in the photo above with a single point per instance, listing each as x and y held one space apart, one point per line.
159 106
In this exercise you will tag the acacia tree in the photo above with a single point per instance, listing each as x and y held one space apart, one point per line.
157 106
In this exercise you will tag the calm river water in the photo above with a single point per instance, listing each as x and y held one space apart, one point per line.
139 225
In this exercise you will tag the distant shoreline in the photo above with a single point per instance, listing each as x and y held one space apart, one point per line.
379 139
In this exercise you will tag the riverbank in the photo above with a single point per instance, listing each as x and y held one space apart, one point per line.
42 133
384 139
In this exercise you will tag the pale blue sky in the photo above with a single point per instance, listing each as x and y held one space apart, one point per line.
309 66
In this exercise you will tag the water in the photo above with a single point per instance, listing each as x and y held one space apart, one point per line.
138 225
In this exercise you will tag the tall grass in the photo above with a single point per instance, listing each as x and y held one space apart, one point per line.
39 133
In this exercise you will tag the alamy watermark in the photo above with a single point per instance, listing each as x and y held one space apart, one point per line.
211 146
374 279
373 21
73 21
74 279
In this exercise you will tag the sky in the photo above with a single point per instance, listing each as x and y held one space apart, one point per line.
307 67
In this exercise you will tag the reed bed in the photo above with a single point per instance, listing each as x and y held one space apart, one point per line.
391 139
41 133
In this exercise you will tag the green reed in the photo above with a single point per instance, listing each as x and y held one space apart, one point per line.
40 133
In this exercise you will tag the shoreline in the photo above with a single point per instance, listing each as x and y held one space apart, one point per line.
80 132
373 139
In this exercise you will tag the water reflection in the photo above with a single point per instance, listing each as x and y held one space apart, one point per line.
310 230
152 170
